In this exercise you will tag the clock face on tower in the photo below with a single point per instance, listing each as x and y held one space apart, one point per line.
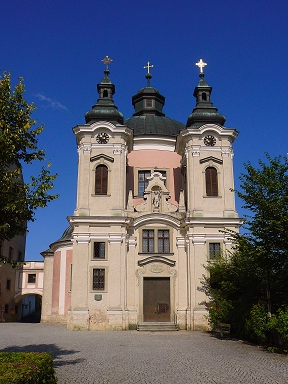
209 140
102 138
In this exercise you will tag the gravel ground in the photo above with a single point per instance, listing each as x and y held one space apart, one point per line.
145 357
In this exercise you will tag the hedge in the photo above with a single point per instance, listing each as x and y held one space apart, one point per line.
26 367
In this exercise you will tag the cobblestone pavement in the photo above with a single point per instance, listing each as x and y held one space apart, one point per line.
145 357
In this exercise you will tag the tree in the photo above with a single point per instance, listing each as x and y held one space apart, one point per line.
252 279
18 146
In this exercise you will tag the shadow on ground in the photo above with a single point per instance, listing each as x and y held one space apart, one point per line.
34 317
56 352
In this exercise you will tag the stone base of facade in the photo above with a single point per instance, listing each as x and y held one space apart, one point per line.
78 320
119 320
200 320
56 319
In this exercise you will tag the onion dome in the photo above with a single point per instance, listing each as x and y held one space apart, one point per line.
105 109
148 118
204 112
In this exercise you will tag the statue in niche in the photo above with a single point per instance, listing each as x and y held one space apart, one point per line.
156 199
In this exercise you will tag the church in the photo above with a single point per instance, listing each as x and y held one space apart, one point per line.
153 196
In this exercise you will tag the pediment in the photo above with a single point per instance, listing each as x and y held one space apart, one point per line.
101 156
156 259
211 158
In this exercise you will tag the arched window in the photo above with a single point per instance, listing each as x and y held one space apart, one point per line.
211 181
204 96
101 180
105 93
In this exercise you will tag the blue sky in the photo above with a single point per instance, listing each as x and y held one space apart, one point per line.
57 46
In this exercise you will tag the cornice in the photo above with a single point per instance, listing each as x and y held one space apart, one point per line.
214 221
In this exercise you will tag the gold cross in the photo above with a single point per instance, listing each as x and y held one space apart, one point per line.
201 65
107 61
148 66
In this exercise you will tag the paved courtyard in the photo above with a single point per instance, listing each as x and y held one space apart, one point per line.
145 357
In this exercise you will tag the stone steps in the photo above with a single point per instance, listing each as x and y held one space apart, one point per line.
157 327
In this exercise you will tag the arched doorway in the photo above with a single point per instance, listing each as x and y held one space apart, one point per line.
31 308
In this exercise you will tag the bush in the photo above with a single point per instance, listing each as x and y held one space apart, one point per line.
26 367
219 312
258 324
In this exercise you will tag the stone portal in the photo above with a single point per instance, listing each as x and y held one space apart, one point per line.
156 299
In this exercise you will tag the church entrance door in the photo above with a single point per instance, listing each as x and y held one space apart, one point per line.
156 299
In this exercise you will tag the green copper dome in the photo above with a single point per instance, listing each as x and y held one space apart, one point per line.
105 109
148 118
204 112
154 125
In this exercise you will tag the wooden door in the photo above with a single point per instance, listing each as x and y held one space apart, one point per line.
156 299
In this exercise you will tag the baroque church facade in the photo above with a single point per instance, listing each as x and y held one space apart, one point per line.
152 198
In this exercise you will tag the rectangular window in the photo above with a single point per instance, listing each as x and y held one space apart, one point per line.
98 279
99 250
148 240
10 256
149 103
20 258
6 308
142 181
163 241
214 250
31 278
8 284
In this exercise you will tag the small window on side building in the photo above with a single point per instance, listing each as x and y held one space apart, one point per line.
31 278
8 284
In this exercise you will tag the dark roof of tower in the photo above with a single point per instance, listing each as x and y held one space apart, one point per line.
204 112
154 125
148 118
105 109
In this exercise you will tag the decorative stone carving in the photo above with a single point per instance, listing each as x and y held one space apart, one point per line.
139 273
156 268
130 206
155 196
181 207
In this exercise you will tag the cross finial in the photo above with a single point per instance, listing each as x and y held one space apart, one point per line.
201 65
148 66
107 61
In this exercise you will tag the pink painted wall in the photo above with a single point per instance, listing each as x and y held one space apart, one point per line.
152 159
56 283
67 280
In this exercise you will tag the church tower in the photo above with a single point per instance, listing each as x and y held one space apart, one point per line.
153 197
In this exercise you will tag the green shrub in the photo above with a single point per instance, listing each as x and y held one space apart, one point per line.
26 367
258 324
219 312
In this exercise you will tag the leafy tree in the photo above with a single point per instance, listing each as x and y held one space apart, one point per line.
252 279
18 146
